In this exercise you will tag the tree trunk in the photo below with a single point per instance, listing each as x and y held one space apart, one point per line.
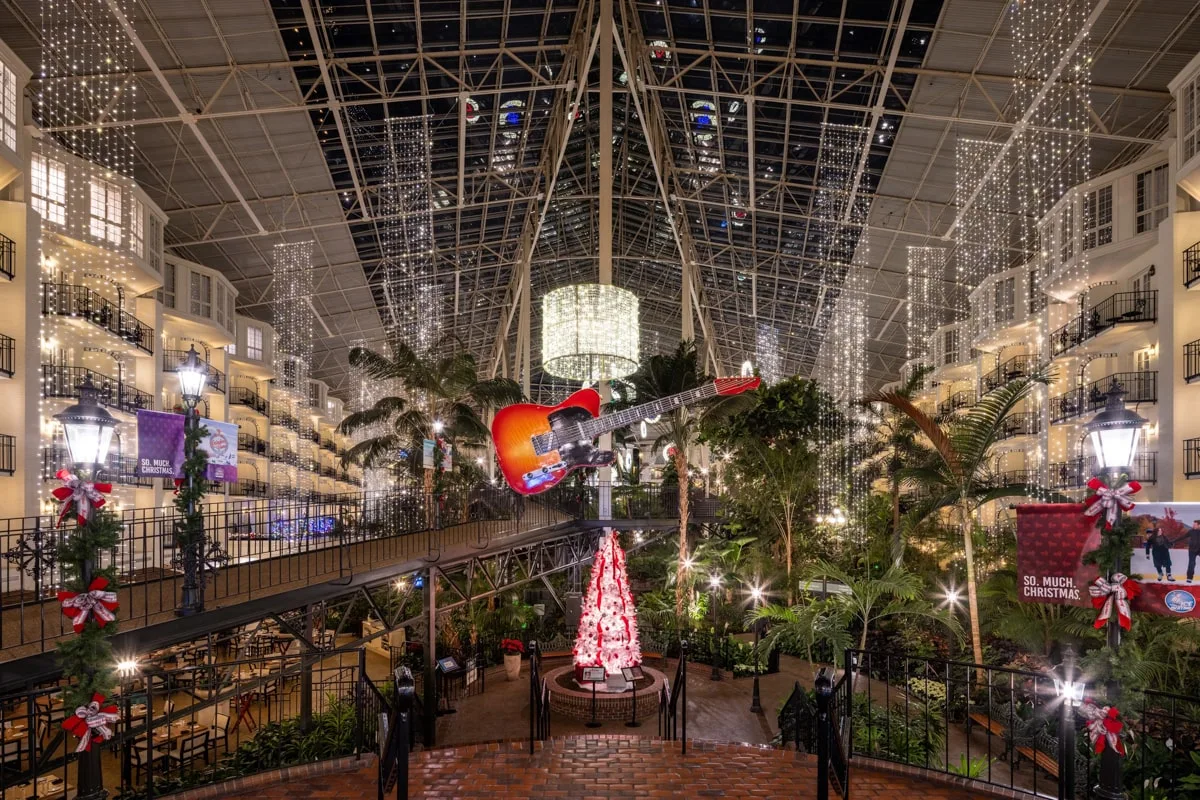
787 542
897 537
972 593
680 576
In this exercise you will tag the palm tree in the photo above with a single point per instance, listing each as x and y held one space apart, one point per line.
865 603
899 440
658 377
957 475
445 397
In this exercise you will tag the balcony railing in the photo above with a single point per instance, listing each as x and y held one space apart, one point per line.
1191 458
245 396
8 454
8 257
1140 387
249 443
1015 367
249 488
1120 308
63 381
1191 361
1191 265
328 444
1010 477
956 401
281 455
1026 423
119 469
69 300
1076 472
173 359
8 355
285 421
310 435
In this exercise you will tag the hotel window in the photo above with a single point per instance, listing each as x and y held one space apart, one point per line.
1152 198
166 295
1004 297
154 226
48 187
1142 360
1098 217
8 106
106 211
201 296
950 346
137 230
254 342
220 304
1189 118
1066 234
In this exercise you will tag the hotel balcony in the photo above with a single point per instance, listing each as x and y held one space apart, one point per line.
1076 472
1016 367
63 381
121 470
8 356
92 308
285 420
1191 458
173 360
252 445
1025 423
8 257
1140 387
1191 266
249 488
1107 321
8 454
247 397
956 402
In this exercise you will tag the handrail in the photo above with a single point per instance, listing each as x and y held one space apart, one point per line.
245 396
61 380
8 257
8 355
70 300
173 360
1191 265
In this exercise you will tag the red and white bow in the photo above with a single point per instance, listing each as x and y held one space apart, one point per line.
79 493
97 602
1119 590
90 723
1110 501
1104 726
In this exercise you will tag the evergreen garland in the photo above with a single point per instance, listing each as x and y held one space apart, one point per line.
1112 556
189 530
86 658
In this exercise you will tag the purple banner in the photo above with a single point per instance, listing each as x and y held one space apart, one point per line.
160 444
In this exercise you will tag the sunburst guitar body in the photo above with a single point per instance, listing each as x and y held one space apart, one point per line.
538 446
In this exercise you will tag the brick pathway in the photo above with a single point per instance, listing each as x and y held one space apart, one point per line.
607 768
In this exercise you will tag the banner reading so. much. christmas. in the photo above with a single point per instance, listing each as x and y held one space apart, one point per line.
1164 563
608 634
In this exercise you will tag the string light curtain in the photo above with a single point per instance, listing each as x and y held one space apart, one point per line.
292 279
590 332
981 238
365 392
408 273
766 353
87 93
926 266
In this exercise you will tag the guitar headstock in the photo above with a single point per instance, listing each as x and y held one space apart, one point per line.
731 386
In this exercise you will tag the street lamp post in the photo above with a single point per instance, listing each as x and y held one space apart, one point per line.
756 596
714 588
1070 692
1115 433
88 428
193 375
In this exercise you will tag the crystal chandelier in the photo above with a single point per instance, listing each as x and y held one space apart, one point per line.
590 332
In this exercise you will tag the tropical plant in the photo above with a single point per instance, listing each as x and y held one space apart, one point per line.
445 398
975 767
661 376
898 440
957 475
866 602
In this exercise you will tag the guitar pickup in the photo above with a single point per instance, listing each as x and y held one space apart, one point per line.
539 476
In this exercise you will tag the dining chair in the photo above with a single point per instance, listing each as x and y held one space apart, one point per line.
188 749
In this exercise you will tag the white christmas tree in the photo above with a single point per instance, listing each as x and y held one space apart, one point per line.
608 624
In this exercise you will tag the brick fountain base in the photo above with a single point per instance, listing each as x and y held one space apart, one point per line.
577 703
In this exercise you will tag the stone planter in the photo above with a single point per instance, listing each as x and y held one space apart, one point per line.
512 666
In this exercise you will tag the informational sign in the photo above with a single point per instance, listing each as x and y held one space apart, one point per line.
632 673
472 668
594 675
160 446
448 664
1052 539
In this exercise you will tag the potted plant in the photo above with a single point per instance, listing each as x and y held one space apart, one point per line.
513 648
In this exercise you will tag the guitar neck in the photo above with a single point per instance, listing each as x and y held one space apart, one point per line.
629 416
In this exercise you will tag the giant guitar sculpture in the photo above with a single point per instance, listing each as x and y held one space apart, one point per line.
539 445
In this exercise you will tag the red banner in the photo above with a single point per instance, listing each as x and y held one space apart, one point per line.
1053 537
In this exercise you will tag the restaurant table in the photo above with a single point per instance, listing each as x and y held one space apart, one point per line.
48 786
180 729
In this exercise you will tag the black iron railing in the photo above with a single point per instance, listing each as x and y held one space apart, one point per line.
8 355
1122 307
120 469
672 703
1191 458
245 396
249 488
173 359
834 713
285 420
1015 367
1191 361
69 300
63 381
8 257
328 444
1013 477
1026 423
8 454
282 455
1066 337
1141 386
1191 265
956 401
249 443
1076 472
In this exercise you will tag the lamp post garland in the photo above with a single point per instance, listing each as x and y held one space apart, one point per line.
1114 433
88 594
189 530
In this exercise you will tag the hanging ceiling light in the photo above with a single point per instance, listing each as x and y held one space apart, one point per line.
590 332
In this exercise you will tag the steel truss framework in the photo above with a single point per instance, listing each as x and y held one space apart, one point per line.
256 122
